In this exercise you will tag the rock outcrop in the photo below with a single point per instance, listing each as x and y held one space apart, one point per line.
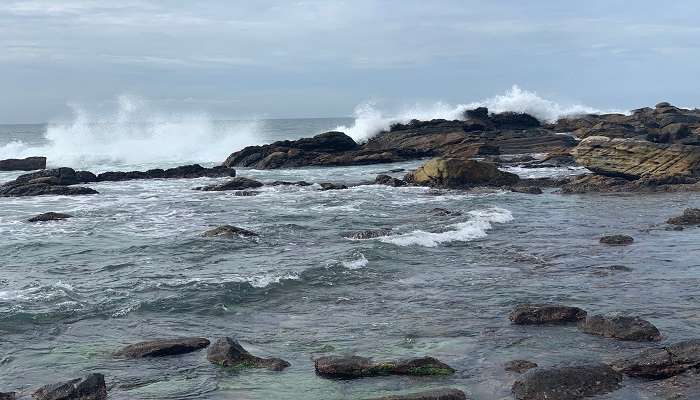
91 387
351 367
458 173
620 327
49 216
664 362
635 159
535 314
566 382
56 181
229 231
227 352
162 347
182 172
24 164
438 394
239 183
617 240
690 216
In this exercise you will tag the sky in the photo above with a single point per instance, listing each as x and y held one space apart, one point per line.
282 58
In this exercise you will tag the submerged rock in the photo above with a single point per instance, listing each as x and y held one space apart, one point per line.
389 181
229 231
368 234
351 367
239 183
437 394
691 216
664 362
24 164
519 366
288 183
617 240
49 216
566 382
91 387
442 212
459 173
526 189
163 347
533 314
227 352
332 186
620 327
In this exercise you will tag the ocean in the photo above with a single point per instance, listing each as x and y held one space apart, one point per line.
133 265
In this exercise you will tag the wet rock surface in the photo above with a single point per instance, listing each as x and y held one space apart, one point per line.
91 387
458 173
182 172
227 352
389 181
519 366
351 367
620 327
55 181
368 234
617 240
23 164
162 347
535 314
663 362
49 216
229 231
238 183
438 394
566 382
690 216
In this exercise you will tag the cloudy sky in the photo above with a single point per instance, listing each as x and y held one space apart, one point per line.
283 58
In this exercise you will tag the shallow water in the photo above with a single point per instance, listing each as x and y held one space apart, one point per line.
132 265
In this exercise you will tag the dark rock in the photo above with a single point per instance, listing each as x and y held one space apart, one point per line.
49 216
332 186
8 396
442 212
163 347
239 183
25 164
664 362
369 234
351 367
181 172
245 193
519 366
620 327
513 120
691 216
458 173
438 394
229 231
526 189
91 387
479 113
532 314
617 240
227 352
287 183
567 382
389 181
46 182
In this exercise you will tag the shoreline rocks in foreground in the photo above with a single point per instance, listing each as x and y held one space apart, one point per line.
24 164
90 387
227 352
566 382
437 394
664 362
353 367
620 327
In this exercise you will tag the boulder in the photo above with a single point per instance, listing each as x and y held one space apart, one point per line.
368 234
229 231
389 181
617 240
664 362
634 159
620 327
691 216
534 314
437 394
519 366
227 352
239 183
566 382
458 173
25 164
351 367
162 347
91 387
49 216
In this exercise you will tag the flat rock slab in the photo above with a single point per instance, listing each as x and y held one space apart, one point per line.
439 394
662 362
567 382
227 352
49 216
351 367
91 387
620 327
617 240
163 347
535 314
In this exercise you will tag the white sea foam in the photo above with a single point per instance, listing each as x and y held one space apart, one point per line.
133 134
37 293
357 263
369 120
481 221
